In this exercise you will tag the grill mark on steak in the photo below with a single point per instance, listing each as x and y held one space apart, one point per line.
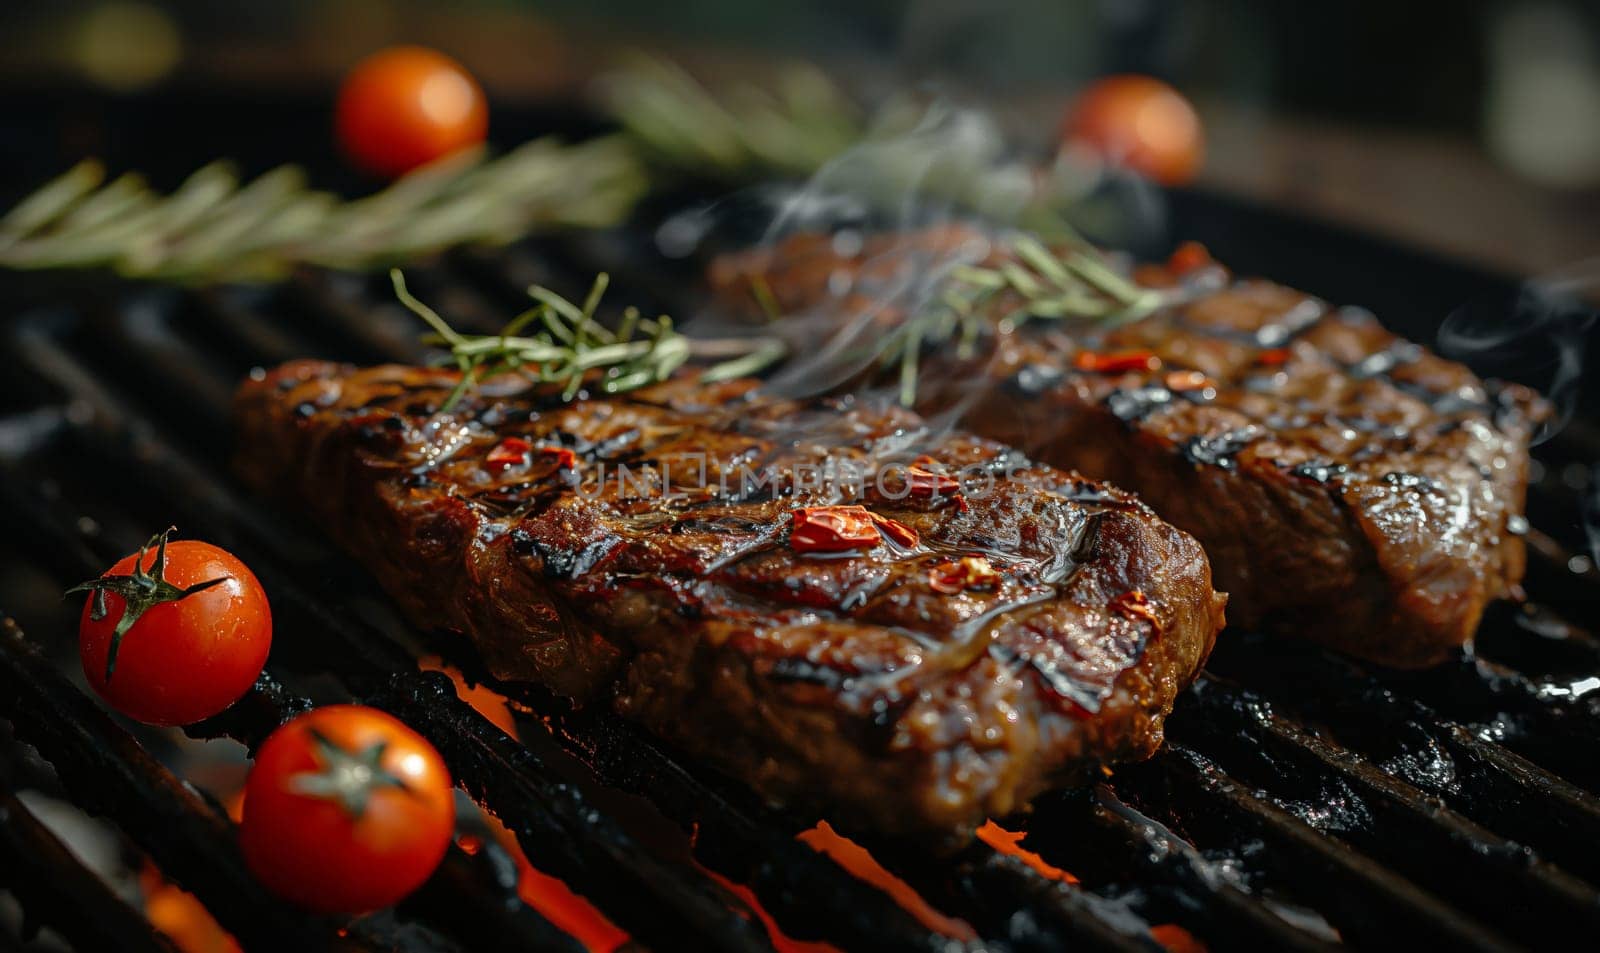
844 682
1350 486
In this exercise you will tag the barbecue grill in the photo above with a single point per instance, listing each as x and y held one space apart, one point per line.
1303 800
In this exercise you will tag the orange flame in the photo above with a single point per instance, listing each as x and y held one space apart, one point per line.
1010 842
549 895
182 917
552 897
485 700
781 942
855 859
1176 939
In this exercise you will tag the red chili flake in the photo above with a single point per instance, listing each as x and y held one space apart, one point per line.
1187 380
897 532
1136 604
565 459
509 452
968 572
832 529
1188 257
921 481
1117 362
1273 356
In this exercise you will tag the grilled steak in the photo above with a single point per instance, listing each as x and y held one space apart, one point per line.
1349 486
983 644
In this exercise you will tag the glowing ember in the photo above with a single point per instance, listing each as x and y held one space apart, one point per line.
183 918
544 893
1176 938
781 942
1010 842
487 702
554 899
855 859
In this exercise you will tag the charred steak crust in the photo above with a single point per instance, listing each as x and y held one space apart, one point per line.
1349 486
845 682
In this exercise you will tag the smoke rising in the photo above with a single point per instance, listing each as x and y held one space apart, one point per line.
1545 334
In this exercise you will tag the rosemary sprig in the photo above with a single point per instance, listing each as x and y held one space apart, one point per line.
791 126
800 124
570 344
213 228
1037 284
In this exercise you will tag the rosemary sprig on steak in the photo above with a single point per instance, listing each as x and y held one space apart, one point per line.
1038 283
567 344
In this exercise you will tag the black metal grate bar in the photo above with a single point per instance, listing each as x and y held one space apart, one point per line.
1483 781
1382 815
1368 904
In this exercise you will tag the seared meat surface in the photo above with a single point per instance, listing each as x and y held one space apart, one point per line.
1007 627
1349 486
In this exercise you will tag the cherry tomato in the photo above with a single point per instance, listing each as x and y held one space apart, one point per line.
346 810
200 632
1141 123
406 106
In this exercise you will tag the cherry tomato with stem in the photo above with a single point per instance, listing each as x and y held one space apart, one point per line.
346 810
174 634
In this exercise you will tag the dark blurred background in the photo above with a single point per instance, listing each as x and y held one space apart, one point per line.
1471 128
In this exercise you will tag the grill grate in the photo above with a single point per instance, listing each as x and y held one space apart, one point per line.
1304 800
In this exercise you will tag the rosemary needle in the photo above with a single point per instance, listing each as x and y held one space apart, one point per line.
1036 284
570 343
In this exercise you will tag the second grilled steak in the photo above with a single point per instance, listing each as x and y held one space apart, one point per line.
1349 486
996 635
